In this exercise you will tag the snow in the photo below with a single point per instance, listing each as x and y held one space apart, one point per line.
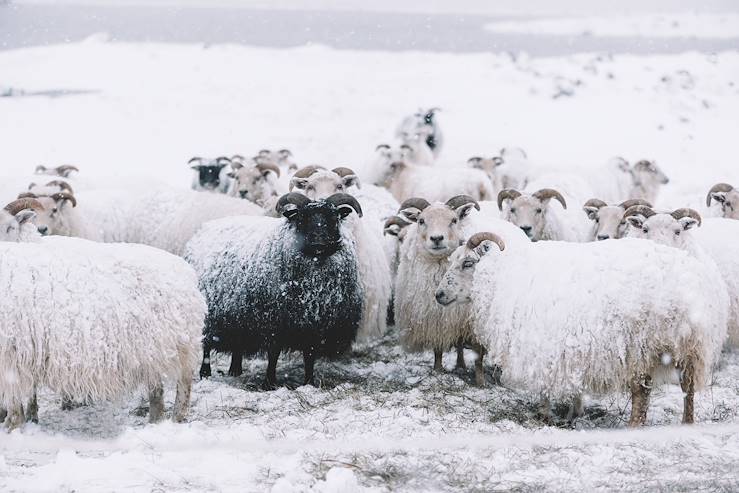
668 25
380 420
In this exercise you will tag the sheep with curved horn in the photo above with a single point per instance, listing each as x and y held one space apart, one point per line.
727 197
609 220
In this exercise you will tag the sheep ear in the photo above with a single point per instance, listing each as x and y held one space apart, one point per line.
345 210
351 180
231 174
464 210
299 183
592 212
636 221
687 223
392 230
196 167
410 213
719 197
290 210
25 216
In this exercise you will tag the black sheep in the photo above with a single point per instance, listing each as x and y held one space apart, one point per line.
276 285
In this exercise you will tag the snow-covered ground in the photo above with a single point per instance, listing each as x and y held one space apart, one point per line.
380 421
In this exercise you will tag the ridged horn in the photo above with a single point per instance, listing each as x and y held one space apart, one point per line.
686 212
343 171
292 200
509 194
477 238
269 167
718 187
306 171
639 210
16 206
627 204
550 193
415 202
459 200
66 187
64 196
597 203
341 199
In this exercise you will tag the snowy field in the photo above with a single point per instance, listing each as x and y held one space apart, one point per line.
130 113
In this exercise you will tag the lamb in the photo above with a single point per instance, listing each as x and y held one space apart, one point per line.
142 321
424 123
64 171
404 179
728 197
163 218
317 183
210 175
604 329
608 220
280 285
712 243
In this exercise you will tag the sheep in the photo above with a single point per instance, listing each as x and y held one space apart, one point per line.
436 231
256 182
608 220
404 179
317 183
163 218
210 175
710 240
276 285
615 311
647 178
511 169
64 171
282 158
727 197
142 321
532 213
424 123
16 220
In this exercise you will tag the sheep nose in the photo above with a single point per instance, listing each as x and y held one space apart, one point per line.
243 194
437 239
439 296
44 230
526 229
603 237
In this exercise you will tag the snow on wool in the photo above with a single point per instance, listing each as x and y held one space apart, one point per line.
269 289
94 321
566 318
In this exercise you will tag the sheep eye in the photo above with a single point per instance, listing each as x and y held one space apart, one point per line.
513 210
454 221
646 230
597 219
54 210
311 188
467 264
421 221
339 187
10 228
677 232
538 211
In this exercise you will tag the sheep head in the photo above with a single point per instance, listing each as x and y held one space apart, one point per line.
438 226
55 215
254 181
457 282
667 228
208 172
16 220
608 220
727 197
316 182
529 211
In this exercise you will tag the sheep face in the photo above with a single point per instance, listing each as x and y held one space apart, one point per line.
317 226
55 217
528 212
17 227
665 229
254 184
438 228
390 163
608 221
488 165
322 184
456 285
727 197
207 174
647 174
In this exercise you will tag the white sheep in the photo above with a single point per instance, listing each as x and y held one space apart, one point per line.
404 179
63 171
608 220
255 181
93 321
714 242
562 319
647 179
423 123
511 169
727 197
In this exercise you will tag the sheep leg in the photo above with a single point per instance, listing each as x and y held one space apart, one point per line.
687 383
156 403
15 417
461 365
235 370
437 360
545 409
3 413
577 408
182 398
309 362
270 382
205 366
479 367
32 408
641 387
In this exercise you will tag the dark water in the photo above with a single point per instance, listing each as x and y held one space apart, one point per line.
33 25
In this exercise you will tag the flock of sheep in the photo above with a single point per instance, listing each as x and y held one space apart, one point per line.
111 290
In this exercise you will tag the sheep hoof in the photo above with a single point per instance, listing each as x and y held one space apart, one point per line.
205 371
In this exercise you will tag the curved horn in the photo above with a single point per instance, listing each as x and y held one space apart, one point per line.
269 167
64 196
415 202
223 158
395 221
343 171
16 206
65 169
40 169
341 199
459 200
61 184
27 195
639 210
474 160
196 158
550 193
627 204
382 146
597 203
685 212
478 238
292 200
285 152
306 171
718 187
509 194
